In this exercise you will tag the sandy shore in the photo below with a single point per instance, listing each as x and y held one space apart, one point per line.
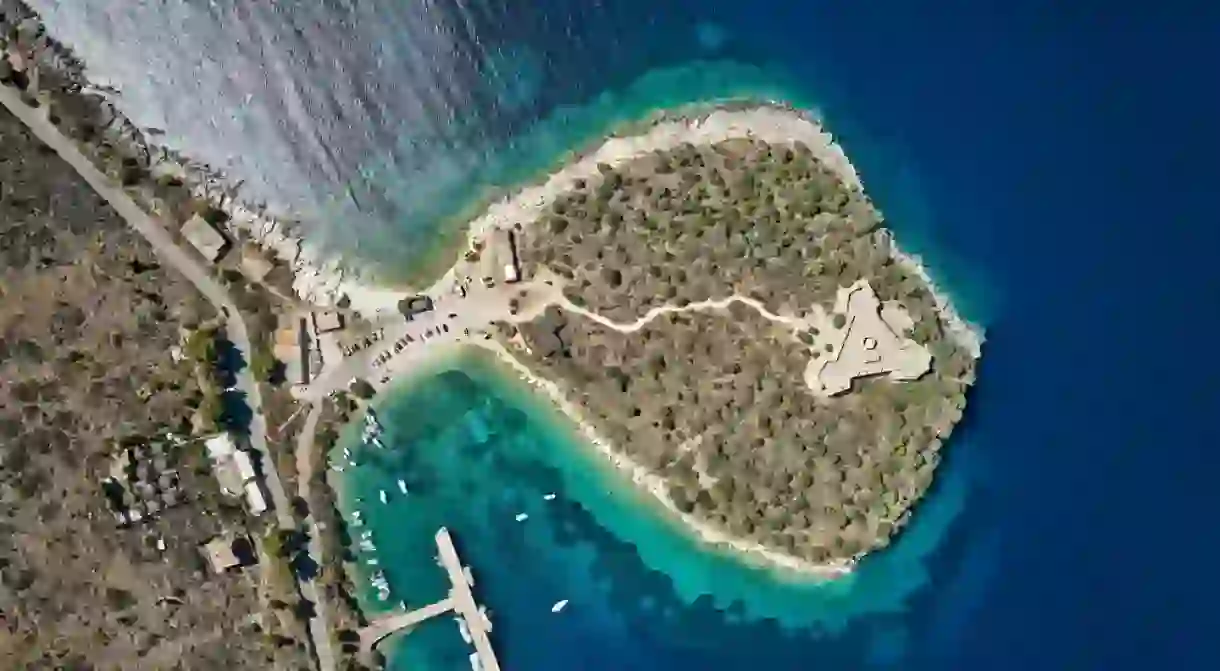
655 485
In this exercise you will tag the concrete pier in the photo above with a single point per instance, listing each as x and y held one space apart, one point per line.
464 603
460 600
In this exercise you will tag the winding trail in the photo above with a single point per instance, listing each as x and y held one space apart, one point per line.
192 269
700 306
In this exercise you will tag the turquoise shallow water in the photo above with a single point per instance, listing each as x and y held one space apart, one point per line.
476 448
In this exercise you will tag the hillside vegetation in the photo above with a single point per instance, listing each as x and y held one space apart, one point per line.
715 401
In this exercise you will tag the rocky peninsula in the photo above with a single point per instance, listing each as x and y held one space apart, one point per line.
716 303
708 289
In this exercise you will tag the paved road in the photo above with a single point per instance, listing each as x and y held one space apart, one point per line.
475 313
191 268
319 628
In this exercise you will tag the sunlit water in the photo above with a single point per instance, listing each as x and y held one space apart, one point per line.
475 454
1046 160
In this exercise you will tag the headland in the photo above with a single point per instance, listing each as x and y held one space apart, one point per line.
715 304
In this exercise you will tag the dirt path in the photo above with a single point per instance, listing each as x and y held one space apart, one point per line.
709 305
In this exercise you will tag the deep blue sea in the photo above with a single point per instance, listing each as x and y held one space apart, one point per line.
1054 162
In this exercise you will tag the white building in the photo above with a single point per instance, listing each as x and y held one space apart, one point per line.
245 467
234 470
505 249
204 237
326 321
220 446
254 498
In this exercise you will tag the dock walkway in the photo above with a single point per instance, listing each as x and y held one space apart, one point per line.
460 600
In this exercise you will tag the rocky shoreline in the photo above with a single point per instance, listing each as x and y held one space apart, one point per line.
327 280
58 80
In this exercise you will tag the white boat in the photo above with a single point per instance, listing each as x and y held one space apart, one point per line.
377 443
468 575
521 517
383 586
486 619
559 605
402 485
337 468
381 495
464 630
371 561
549 497
475 664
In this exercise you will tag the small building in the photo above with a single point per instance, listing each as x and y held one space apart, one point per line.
255 502
414 305
204 237
234 471
505 246
220 555
220 446
245 467
326 321
228 476
227 552
254 264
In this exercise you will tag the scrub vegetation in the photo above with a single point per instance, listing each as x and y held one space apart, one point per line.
715 401
88 320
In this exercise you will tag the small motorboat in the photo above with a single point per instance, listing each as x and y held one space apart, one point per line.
381 495
549 497
402 485
559 605
521 517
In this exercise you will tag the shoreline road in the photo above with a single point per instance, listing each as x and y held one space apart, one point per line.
319 627
190 267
